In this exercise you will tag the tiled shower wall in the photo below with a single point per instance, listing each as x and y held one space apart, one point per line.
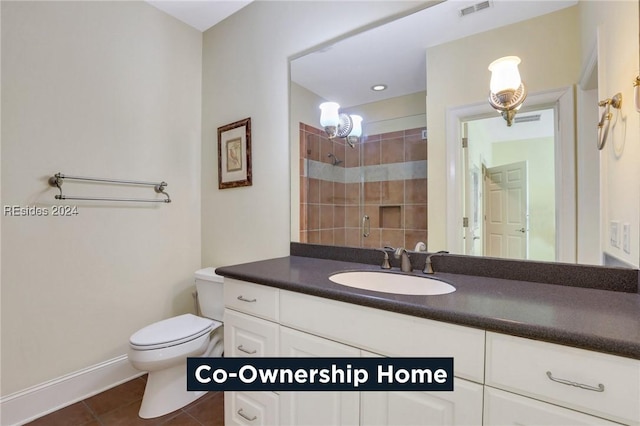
383 177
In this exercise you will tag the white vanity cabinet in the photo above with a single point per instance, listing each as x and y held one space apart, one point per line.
254 299
386 333
248 336
251 408
603 386
251 330
317 408
508 409
463 406
382 333
515 389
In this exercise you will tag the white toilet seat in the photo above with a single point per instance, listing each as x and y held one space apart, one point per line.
171 332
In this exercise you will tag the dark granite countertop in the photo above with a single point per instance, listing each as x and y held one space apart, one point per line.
599 320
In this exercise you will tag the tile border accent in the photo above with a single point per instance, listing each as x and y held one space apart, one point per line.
381 172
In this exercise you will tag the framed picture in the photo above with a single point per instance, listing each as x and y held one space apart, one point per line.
234 154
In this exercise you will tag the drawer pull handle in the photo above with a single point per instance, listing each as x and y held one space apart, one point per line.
599 388
247 300
244 416
240 348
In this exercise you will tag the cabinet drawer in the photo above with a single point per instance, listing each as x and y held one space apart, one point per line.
504 408
251 408
254 299
386 333
566 376
247 336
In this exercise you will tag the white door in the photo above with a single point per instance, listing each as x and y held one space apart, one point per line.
316 408
506 211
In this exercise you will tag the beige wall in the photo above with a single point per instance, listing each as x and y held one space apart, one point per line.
615 27
106 89
465 62
116 89
245 74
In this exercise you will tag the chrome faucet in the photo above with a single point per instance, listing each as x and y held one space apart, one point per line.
401 253
428 266
385 260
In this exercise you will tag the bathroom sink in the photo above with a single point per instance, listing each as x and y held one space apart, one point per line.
386 282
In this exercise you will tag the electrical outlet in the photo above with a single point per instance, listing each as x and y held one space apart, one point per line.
626 238
614 236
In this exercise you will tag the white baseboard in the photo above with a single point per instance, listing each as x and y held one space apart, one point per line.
29 404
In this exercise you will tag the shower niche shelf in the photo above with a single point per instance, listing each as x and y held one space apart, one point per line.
391 217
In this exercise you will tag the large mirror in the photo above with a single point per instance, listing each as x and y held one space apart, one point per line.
405 168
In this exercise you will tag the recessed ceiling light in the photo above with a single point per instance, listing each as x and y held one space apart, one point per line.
379 87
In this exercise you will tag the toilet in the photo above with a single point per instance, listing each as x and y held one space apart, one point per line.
162 348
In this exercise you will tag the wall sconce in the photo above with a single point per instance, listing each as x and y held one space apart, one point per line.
507 92
603 130
340 124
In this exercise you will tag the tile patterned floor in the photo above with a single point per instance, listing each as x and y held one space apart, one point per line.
120 405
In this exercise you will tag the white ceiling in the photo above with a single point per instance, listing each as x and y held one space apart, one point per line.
394 53
200 14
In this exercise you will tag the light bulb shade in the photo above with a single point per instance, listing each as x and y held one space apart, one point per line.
504 74
507 91
357 126
329 116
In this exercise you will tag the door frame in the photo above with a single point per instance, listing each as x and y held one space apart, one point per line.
562 100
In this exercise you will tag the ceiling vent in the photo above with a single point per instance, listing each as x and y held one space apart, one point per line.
527 118
475 8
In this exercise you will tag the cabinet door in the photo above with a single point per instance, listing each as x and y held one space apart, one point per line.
249 337
463 406
316 408
250 408
504 408
460 407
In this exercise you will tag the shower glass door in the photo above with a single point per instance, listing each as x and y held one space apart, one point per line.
372 195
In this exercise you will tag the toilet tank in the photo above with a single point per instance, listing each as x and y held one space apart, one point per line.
210 293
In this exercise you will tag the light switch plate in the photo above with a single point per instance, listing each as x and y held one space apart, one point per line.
626 238
614 236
